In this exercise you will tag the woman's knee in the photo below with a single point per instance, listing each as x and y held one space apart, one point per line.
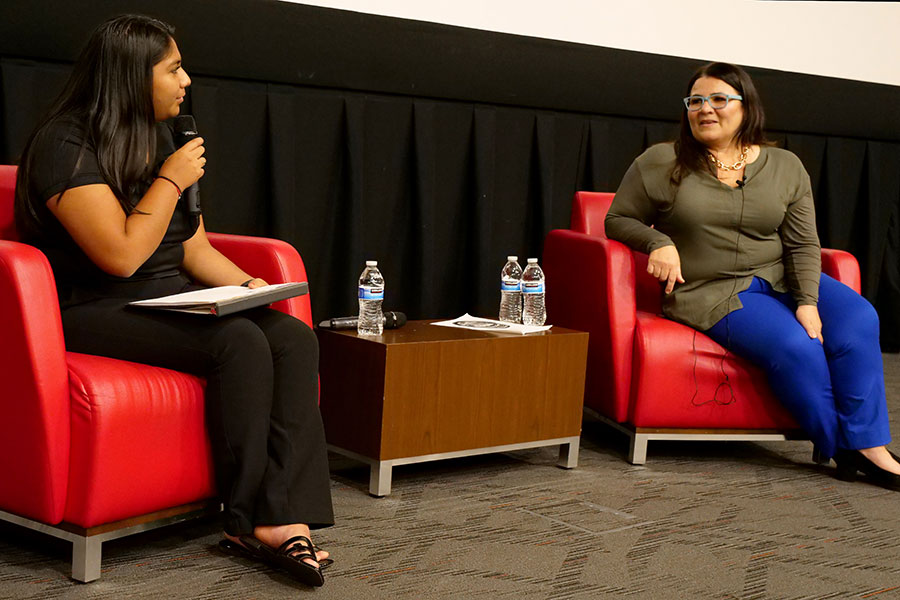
304 341
857 325
796 352
288 336
863 318
240 340
845 312
866 321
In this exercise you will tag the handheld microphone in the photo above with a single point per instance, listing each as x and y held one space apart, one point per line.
392 320
185 131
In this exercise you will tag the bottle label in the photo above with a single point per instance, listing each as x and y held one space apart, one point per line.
533 287
509 287
371 293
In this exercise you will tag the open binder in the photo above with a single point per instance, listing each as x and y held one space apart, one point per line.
224 300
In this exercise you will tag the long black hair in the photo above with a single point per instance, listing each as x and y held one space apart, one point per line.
690 155
110 92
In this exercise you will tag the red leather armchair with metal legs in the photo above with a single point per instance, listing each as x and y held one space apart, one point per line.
93 448
650 377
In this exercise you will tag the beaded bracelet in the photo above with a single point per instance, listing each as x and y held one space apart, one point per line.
172 182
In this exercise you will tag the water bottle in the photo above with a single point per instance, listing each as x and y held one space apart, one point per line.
534 311
511 291
371 295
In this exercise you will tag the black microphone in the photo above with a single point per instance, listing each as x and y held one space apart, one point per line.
392 320
185 131
740 183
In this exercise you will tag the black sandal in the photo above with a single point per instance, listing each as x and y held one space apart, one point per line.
246 547
290 556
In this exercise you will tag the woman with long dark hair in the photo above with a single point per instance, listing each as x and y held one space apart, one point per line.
99 192
728 222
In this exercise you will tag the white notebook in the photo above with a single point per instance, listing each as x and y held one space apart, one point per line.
224 300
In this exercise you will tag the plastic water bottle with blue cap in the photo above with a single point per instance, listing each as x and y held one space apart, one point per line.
534 311
511 291
371 295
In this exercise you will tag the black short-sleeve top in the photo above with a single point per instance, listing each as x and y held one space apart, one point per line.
64 159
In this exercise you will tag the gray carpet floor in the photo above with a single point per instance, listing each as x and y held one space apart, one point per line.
699 520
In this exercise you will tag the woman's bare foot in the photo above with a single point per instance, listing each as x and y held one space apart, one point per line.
882 458
275 535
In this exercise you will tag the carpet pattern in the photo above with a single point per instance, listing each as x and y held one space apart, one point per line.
699 520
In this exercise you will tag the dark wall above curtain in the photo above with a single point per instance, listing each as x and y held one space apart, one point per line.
284 42
439 150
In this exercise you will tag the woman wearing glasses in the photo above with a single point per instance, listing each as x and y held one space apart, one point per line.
733 239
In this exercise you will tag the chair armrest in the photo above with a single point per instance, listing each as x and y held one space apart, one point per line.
7 193
590 287
34 401
273 260
589 212
842 266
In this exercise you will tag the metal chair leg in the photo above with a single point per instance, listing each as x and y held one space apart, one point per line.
86 555
637 451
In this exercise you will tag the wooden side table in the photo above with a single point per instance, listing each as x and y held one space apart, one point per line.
425 392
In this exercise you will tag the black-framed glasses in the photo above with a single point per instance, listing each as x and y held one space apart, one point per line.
716 101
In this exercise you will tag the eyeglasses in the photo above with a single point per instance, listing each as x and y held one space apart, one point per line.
716 101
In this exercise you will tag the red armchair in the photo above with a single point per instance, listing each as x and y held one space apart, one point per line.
92 448
641 366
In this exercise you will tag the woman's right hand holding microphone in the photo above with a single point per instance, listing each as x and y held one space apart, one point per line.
185 165
665 264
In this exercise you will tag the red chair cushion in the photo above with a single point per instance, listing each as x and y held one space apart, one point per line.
676 371
139 440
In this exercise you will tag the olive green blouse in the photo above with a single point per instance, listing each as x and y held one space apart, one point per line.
725 236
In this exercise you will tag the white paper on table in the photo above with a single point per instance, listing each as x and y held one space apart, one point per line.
467 321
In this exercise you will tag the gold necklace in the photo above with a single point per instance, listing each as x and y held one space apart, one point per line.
736 166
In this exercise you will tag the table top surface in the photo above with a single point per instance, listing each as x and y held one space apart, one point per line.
423 331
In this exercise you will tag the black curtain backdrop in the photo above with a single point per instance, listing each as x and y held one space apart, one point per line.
440 189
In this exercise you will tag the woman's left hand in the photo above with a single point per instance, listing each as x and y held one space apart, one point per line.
256 282
808 316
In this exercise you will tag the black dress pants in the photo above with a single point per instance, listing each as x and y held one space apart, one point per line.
262 413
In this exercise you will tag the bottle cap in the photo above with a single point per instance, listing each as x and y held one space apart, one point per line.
532 261
371 263
512 258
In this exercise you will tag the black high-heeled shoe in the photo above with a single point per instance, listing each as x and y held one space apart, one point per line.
847 464
851 462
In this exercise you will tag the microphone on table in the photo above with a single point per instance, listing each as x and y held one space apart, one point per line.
392 320
185 131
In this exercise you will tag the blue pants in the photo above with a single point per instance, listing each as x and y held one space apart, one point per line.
835 390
